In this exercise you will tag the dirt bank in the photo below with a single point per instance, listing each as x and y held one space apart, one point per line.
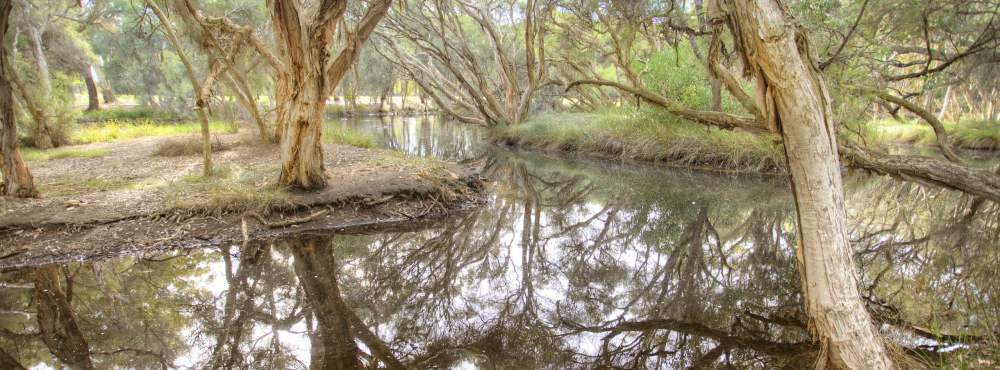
132 201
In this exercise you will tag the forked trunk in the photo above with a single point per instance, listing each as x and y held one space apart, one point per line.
17 180
772 49
308 77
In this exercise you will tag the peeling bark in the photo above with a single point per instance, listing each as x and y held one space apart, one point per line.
17 179
775 52
310 75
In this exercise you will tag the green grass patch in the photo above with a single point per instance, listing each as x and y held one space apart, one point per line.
345 136
649 136
231 190
119 130
966 134
129 114
36 155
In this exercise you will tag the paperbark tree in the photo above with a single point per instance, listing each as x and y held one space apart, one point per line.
17 180
226 51
775 51
453 74
42 134
93 99
189 70
307 77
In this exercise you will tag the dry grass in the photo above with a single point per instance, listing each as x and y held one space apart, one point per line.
36 155
188 145
230 190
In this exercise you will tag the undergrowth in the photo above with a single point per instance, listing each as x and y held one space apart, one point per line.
648 135
345 136
966 134
118 130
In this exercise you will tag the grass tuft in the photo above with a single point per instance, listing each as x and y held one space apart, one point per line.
346 136
231 190
648 136
189 145
36 155
118 130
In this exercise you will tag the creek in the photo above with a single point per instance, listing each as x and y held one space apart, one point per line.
571 263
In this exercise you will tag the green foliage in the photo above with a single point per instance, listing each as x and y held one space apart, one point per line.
115 130
36 155
649 135
676 73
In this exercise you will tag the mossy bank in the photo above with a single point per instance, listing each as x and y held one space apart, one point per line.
647 136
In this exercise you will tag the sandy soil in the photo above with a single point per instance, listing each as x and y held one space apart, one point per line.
127 211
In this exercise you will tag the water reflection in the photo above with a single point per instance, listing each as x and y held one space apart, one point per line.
571 265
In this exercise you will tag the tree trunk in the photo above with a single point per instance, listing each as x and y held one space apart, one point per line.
944 106
249 102
301 143
202 115
17 180
41 62
41 133
93 99
107 92
772 49
309 77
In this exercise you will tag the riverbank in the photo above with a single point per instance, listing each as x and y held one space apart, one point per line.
965 134
123 197
646 136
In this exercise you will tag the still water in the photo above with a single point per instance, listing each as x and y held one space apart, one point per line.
573 263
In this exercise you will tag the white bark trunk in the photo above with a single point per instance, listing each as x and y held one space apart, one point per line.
837 317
